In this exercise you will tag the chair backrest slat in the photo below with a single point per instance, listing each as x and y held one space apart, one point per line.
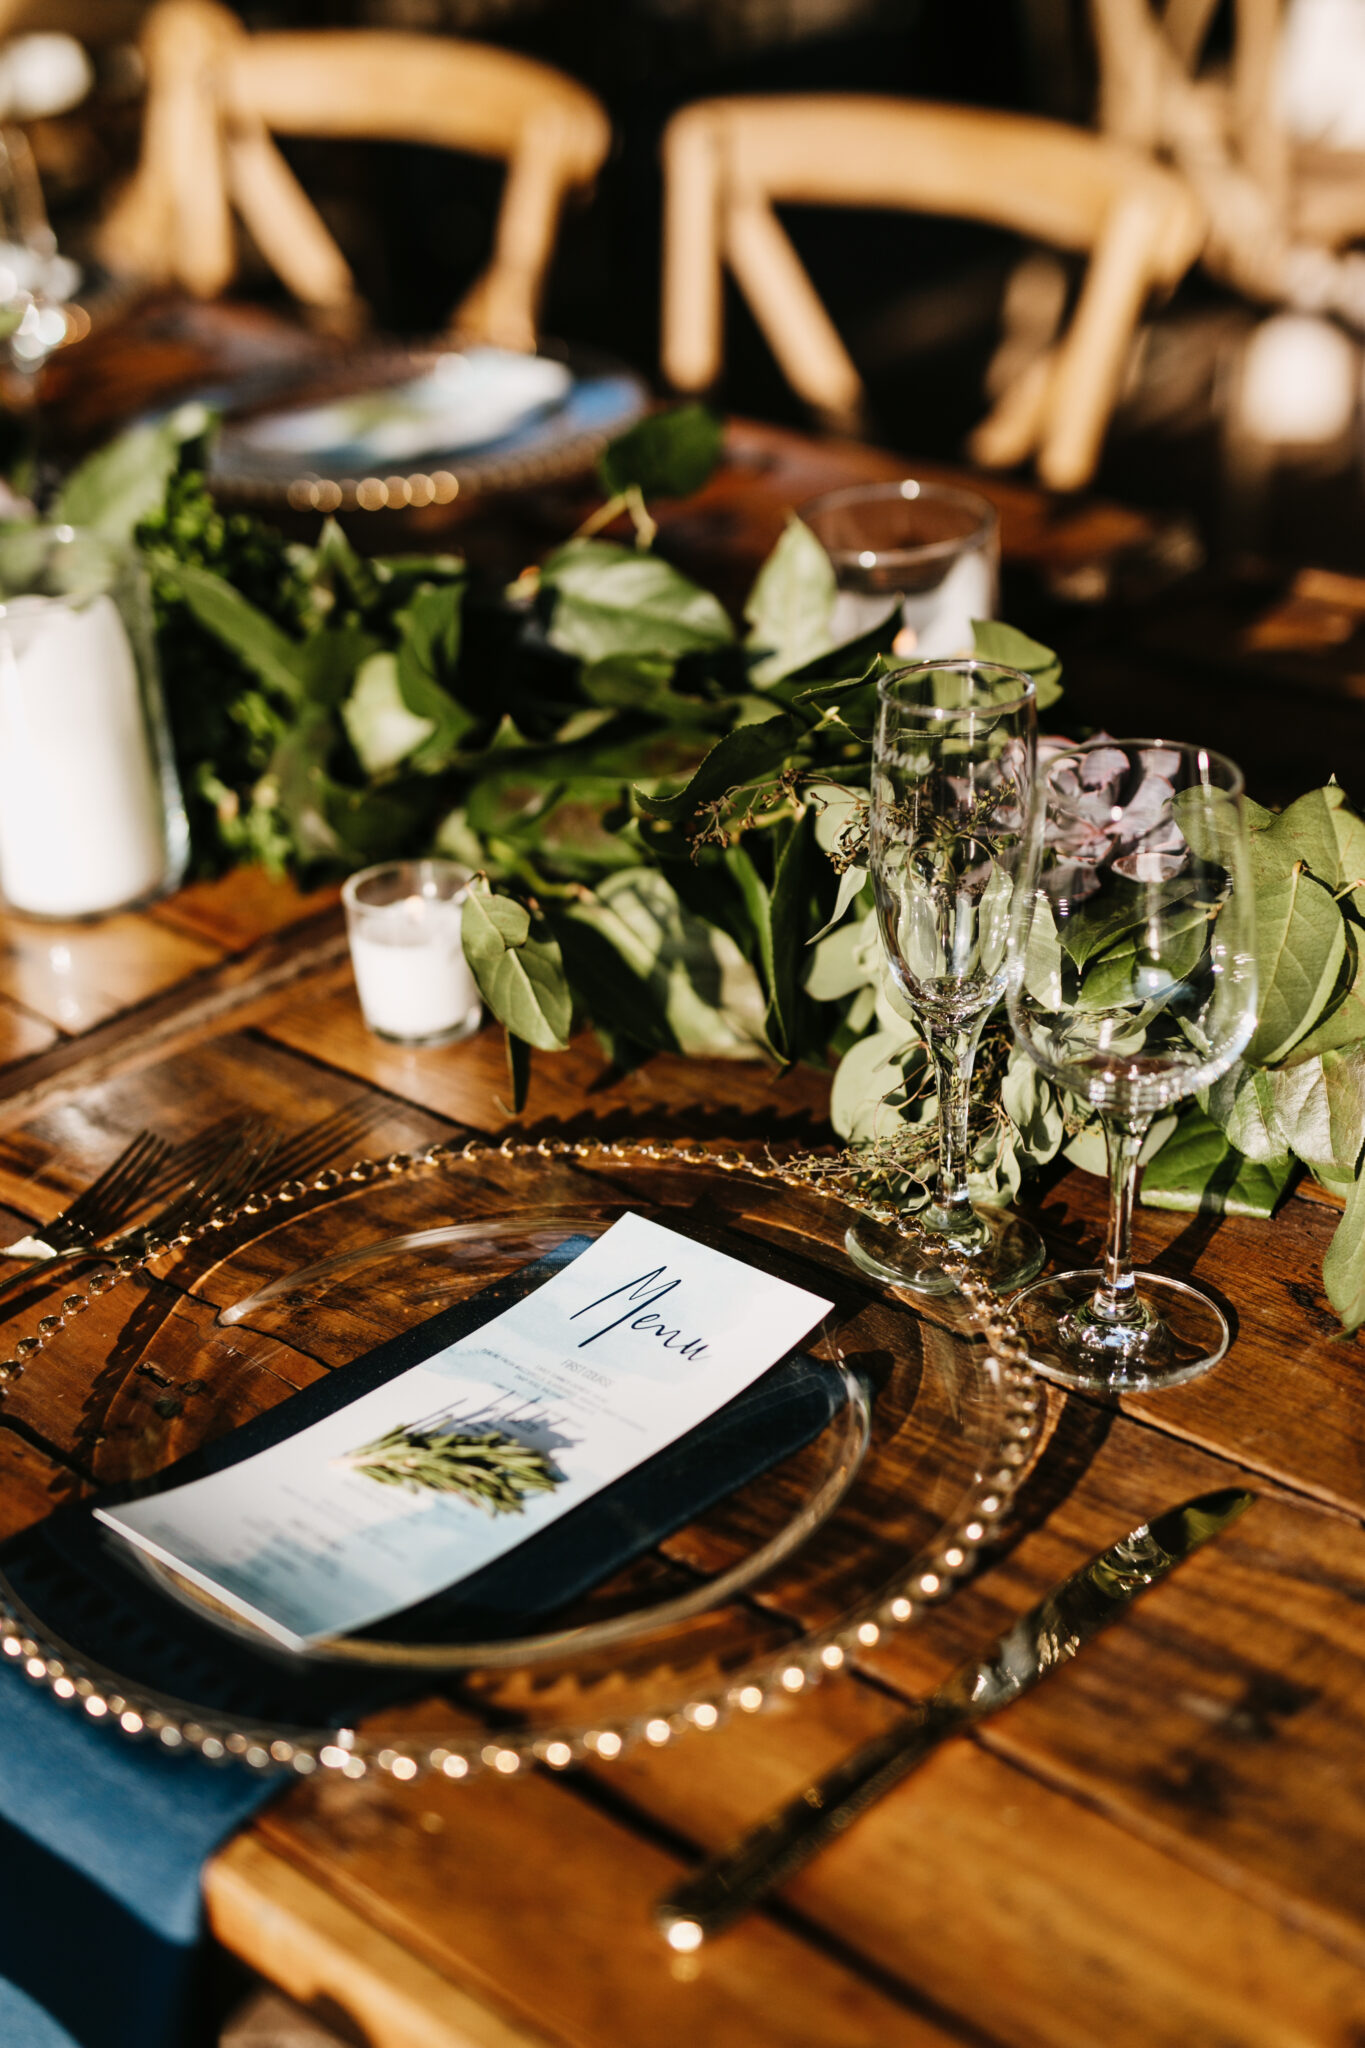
216 97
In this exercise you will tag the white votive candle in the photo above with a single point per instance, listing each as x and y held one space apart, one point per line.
82 811
403 922
932 546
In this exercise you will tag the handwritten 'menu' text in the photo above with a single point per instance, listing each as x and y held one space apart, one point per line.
640 1313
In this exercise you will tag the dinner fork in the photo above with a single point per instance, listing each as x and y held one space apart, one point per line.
308 1151
217 1169
187 1168
244 1151
138 1173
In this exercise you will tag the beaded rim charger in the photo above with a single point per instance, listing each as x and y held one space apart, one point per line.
926 1579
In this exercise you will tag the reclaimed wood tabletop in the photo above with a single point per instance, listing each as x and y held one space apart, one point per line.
1165 1844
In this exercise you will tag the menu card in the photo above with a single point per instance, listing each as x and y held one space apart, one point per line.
427 1478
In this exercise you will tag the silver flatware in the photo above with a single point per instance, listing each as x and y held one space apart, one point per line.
229 1172
219 1167
136 1176
192 1169
727 1885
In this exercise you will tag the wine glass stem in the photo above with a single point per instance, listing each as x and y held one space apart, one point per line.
1115 1299
954 1055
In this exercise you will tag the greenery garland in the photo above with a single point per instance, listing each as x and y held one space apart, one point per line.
666 817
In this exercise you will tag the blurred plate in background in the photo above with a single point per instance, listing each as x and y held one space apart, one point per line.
398 427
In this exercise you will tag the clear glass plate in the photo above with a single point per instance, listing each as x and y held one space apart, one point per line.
757 1594
601 398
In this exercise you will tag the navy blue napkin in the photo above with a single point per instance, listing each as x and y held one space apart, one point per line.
102 1841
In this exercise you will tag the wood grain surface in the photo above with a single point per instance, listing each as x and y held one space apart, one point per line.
1164 1845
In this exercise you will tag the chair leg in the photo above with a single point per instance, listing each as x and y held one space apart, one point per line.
187 45
284 223
691 338
1010 432
503 305
1092 357
787 307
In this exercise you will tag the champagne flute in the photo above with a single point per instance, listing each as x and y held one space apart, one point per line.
1133 984
952 770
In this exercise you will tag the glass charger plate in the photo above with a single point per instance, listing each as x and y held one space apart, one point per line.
558 439
758 1594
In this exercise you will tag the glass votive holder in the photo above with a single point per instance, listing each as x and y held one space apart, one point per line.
932 546
403 925
91 817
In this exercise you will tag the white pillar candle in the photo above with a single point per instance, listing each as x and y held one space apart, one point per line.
938 623
82 822
410 970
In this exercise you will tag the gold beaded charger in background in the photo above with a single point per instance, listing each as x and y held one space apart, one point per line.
757 1597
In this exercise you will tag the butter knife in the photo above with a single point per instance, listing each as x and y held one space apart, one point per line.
1048 1636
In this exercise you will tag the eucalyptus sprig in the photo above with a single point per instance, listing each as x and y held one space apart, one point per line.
490 1469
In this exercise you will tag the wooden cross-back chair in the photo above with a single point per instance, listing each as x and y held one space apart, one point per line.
1280 212
216 95
728 161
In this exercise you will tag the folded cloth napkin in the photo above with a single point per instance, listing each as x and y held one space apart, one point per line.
25 2025
102 1840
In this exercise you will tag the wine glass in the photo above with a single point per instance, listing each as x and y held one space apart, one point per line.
952 770
1133 984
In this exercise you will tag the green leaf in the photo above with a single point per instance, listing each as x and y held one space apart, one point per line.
379 822
254 638
1124 907
614 979
616 600
1240 1103
699 986
1343 1269
844 961
758 908
518 1069
1318 1106
1342 1024
864 1077
114 489
995 641
850 888
1088 1150
668 455
427 652
751 754
791 605
1033 1106
378 723
520 978
1303 831
642 682
1301 943
339 570
1043 959
297 774
792 885
1198 1169
1319 829
1131 972
1349 829
1208 817
330 660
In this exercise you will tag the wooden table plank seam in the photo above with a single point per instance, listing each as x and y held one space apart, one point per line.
597 1788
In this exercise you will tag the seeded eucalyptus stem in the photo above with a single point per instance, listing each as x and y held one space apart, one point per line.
492 1470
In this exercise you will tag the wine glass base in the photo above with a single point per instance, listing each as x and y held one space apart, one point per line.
1178 1334
1006 1253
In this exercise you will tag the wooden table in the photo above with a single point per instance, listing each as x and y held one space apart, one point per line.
1164 1845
